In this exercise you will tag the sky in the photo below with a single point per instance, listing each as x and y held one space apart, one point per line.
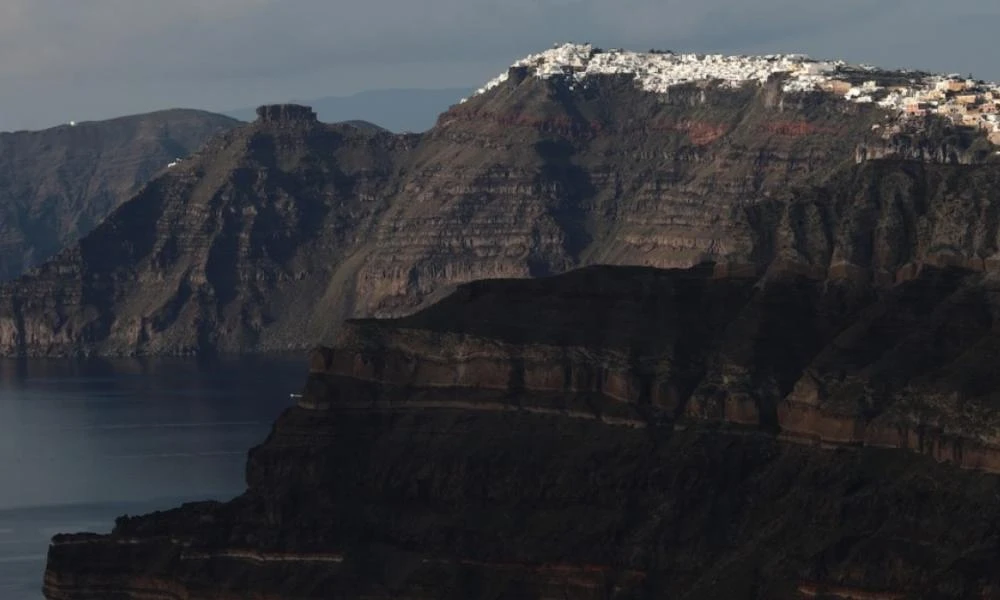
77 60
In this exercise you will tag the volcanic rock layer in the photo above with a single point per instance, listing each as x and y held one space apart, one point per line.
282 229
56 185
612 433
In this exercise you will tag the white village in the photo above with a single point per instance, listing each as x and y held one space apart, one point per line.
911 95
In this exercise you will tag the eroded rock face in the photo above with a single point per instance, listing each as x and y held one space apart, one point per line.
57 185
286 227
234 252
612 433
835 362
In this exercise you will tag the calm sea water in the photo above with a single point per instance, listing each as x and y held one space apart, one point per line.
84 442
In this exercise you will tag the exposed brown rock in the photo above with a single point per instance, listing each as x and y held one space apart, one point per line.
832 363
283 229
612 433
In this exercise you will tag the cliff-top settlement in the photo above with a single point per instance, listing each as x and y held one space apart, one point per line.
910 94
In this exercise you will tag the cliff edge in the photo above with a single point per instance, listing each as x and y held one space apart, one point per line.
282 229
611 433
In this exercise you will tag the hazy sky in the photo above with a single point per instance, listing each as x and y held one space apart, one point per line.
64 60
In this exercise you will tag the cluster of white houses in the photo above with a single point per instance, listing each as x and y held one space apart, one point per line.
964 101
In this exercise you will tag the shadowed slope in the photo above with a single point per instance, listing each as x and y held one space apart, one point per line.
611 433
276 233
57 185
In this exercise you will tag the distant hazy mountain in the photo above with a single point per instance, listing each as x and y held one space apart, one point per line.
396 110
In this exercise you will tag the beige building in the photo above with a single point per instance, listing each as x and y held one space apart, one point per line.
836 86
995 137
952 85
972 119
967 98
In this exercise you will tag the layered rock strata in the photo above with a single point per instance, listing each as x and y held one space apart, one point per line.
611 433
57 185
282 229
831 363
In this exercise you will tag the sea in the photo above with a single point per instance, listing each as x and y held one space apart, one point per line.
84 441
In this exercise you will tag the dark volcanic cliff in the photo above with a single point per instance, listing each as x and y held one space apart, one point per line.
57 185
280 229
234 251
612 433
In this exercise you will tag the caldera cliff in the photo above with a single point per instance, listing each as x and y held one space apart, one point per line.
612 433
282 229
58 184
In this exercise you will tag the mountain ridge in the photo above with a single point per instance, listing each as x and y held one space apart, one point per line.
538 175
57 184
399 110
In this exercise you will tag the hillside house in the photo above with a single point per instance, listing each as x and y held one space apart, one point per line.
951 85
972 119
995 137
836 86
967 99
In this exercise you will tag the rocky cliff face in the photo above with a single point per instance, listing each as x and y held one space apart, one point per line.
281 229
233 252
834 362
57 185
929 140
612 433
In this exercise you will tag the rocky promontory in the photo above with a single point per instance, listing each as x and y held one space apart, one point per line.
286 114
611 433
834 363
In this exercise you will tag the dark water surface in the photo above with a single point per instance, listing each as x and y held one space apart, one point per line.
82 442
